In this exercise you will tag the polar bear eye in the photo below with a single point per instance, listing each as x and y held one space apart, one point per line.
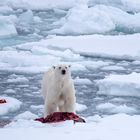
59 67
65 67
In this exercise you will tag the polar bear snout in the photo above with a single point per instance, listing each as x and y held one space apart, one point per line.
63 72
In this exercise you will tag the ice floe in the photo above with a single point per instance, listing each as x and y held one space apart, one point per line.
97 19
99 45
120 85
42 4
5 9
112 108
7 91
7 27
18 80
82 81
26 116
115 68
80 107
120 126
12 105
126 5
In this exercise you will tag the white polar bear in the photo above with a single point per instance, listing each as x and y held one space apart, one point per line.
58 90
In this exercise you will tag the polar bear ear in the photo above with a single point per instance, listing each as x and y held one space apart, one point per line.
53 67
69 66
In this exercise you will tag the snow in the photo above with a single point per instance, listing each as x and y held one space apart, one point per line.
7 27
82 81
42 4
77 67
12 105
136 62
118 68
85 20
80 107
26 116
114 19
120 85
7 91
99 45
88 21
37 107
38 56
18 80
120 126
5 9
25 61
117 99
26 17
126 5
112 108
95 64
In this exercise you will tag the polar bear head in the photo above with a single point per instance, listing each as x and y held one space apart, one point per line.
62 71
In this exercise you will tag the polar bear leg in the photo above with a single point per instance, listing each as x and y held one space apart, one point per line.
49 108
62 108
70 105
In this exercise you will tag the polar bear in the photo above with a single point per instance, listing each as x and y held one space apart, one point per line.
58 90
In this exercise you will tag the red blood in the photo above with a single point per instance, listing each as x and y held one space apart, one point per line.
2 101
59 117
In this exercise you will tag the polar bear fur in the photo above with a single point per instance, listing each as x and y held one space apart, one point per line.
58 90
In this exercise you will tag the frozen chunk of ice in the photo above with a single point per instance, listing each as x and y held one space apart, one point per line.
26 116
9 91
5 10
115 68
80 107
112 108
120 85
18 79
11 105
7 27
97 19
82 81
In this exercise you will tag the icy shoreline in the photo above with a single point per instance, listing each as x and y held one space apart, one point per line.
116 127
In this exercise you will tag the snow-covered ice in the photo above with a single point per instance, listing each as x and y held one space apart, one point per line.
5 9
18 80
82 81
120 85
21 61
95 64
99 45
100 39
136 63
12 105
42 4
87 20
112 108
37 107
114 127
126 5
7 27
119 68
26 116
7 91
80 107
59 48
